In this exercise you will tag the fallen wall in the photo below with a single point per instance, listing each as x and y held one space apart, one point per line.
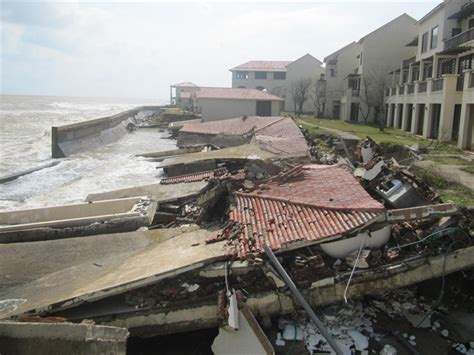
61 338
87 135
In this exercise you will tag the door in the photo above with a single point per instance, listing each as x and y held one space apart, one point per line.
336 110
456 123
264 108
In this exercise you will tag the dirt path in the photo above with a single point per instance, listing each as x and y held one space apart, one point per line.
342 134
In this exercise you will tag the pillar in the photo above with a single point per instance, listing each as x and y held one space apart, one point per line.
465 127
428 120
447 108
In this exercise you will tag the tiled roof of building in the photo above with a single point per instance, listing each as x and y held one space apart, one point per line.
274 134
263 65
185 84
305 205
232 126
327 186
204 175
231 93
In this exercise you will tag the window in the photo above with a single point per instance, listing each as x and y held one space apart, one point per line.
279 75
260 75
332 73
242 75
434 38
455 31
471 23
424 42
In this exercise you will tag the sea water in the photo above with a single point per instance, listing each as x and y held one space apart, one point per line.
25 142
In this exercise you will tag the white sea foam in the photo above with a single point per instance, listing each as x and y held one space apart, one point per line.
25 142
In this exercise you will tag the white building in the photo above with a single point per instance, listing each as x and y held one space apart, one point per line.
432 94
215 103
276 77
338 66
379 52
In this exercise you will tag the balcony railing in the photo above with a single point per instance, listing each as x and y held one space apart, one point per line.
471 80
355 92
422 86
394 91
401 90
460 83
411 88
461 38
437 84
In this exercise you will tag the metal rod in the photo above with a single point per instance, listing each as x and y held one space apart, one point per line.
301 300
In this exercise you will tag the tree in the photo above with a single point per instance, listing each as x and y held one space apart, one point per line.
373 86
318 96
299 91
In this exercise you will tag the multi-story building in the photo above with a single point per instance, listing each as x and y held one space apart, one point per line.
339 65
432 94
380 52
276 77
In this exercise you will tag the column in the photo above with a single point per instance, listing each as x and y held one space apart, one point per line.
406 107
415 118
447 108
464 127
428 120
397 115
389 115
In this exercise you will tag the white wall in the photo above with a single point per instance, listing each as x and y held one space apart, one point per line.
276 87
216 109
306 67
347 61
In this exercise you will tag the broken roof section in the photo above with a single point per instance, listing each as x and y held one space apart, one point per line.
306 205
278 135
187 178
230 93
263 65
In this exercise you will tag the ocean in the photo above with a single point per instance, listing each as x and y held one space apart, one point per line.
25 142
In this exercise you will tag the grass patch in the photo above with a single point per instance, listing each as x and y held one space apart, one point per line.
448 191
173 111
447 160
468 169
388 135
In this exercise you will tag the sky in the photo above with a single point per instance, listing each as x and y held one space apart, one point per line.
125 49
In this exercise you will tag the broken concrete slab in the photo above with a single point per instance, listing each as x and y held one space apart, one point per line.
61 338
109 274
161 193
79 219
248 339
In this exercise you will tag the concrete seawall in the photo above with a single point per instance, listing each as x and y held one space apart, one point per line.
91 134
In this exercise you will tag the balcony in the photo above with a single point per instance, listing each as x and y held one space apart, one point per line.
437 84
422 86
461 38
393 91
411 89
355 92
401 90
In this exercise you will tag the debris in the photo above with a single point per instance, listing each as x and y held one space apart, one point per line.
359 262
360 340
445 333
279 341
388 350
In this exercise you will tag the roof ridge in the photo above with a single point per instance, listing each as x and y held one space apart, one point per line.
269 124
281 199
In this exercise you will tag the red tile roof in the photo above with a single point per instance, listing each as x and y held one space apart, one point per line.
327 186
230 93
305 205
204 175
263 65
273 134
232 126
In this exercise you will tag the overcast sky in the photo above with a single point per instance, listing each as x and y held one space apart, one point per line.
138 49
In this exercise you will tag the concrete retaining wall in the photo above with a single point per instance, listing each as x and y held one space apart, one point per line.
91 134
61 338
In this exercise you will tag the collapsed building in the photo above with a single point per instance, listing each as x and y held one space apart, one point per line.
231 189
